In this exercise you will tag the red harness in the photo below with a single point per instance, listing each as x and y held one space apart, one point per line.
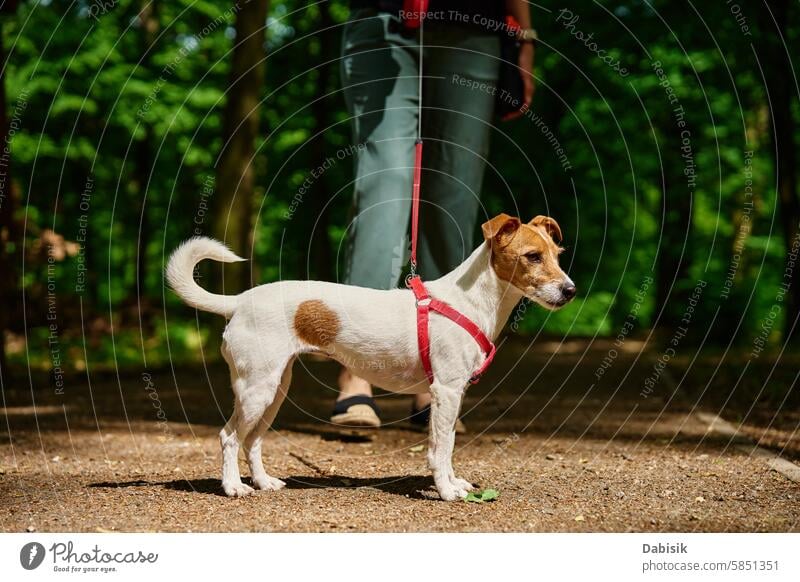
426 304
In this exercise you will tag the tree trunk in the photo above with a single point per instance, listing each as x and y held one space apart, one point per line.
780 84
674 253
10 241
143 153
316 215
143 161
233 219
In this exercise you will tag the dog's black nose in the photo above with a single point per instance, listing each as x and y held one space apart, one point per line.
568 290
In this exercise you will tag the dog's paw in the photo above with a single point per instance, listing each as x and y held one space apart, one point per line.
450 493
237 489
267 483
459 483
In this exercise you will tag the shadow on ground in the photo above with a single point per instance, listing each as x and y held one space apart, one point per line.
570 437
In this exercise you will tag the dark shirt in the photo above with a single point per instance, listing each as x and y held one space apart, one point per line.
483 13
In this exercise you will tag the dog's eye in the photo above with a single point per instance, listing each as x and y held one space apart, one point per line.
534 257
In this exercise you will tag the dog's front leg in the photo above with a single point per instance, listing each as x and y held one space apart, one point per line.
445 406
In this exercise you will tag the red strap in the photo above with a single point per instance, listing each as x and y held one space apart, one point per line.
414 11
423 338
415 201
512 25
424 305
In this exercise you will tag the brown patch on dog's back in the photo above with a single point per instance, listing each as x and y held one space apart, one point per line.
315 323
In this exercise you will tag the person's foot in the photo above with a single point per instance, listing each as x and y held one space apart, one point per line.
356 412
355 406
352 385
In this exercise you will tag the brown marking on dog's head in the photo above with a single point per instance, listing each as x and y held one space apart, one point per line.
315 323
549 225
526 255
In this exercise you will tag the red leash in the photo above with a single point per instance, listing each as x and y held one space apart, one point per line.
415 203
426 303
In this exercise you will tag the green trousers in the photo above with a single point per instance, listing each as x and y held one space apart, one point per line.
380 68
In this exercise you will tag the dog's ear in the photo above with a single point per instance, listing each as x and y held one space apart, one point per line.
549 225
500 229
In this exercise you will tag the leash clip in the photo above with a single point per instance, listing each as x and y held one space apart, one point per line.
412 272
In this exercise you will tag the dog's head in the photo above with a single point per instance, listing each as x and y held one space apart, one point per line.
526 255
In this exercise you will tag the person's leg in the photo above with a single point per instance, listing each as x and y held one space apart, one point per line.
379 76
456 128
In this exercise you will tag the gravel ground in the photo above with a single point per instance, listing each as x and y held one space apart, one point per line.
566 450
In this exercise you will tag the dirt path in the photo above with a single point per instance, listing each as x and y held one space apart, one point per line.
566 450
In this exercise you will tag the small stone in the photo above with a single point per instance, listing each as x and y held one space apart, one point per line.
580 518
550 457
30 529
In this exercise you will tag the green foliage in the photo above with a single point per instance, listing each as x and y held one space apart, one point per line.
123 136
482 496
123 348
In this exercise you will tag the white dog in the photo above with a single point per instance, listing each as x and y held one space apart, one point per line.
371 332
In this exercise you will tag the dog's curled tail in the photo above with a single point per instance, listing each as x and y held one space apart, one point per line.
180 274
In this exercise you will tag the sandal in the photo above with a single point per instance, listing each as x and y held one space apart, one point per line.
420 419
357 411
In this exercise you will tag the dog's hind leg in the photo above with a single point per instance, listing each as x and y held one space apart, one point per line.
252 444
229 437
252 398
229 440
445 405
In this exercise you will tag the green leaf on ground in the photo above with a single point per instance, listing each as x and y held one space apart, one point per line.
482 496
